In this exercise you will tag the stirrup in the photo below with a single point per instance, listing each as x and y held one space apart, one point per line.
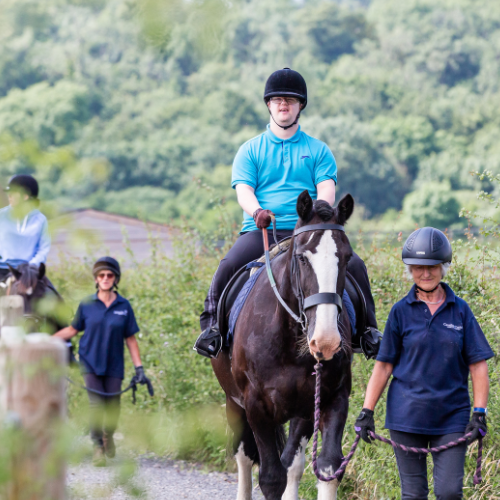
370 342
209 343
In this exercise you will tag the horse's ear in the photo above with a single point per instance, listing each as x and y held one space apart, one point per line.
41 271
305 205
14 272
345 209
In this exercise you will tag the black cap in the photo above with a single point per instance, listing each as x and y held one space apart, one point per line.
107 264
427 247
286 82
25 184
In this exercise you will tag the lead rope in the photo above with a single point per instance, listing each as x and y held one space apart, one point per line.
317 401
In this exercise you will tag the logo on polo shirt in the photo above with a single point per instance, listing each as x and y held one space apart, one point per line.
449 325
303 157
121 313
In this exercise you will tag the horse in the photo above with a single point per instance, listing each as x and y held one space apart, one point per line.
32 284
268 376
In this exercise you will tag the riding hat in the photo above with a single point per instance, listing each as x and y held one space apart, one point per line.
107 264
26 184
427 247
286 82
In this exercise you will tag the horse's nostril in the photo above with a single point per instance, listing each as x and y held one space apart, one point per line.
319 355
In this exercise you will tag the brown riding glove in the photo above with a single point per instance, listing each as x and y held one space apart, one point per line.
262 218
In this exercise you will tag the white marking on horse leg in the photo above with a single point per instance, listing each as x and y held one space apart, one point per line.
327 490
244 475
295 471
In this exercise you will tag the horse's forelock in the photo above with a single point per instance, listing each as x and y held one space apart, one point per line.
324 210
28 279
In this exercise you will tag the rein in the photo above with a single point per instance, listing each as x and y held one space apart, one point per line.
308 302
338 473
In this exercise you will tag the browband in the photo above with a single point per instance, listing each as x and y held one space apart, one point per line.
318 227
323 298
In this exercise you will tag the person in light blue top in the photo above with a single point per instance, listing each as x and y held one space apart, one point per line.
269 173
24 235
300 162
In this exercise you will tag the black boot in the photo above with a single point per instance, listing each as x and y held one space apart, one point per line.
209 343
370 342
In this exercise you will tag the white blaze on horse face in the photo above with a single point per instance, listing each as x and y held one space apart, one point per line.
327 491
295 471
244 474
326 338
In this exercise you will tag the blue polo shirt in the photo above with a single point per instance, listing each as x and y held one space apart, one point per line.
431 355
104 330
279 170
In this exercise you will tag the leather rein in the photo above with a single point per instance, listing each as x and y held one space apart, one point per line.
304 302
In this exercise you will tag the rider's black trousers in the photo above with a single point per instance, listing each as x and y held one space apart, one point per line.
248 247
104 411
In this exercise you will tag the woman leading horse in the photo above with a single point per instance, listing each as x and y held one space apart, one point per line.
431 343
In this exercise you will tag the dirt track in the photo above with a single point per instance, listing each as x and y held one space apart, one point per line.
155 479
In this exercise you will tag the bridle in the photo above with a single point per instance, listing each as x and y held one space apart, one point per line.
304 302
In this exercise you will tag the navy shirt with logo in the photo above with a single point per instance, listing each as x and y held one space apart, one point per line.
102 343
431 355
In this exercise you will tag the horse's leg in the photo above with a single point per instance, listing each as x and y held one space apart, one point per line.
268 435
294 455
244 448
331 457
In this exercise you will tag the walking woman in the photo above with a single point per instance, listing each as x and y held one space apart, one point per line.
108 321
432 342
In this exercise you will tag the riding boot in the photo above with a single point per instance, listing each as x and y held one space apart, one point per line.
98 458
109 444
209 343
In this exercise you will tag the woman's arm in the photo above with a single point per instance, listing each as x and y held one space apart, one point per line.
376 385
43 246
480 383
247 199
326 191
133 348
66 333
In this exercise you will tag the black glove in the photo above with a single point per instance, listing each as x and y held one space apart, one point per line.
365 423
477 426
140 378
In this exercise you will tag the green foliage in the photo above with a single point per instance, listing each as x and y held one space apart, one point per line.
163 92
432 204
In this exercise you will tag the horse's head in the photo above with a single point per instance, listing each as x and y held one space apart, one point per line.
321 257
27 281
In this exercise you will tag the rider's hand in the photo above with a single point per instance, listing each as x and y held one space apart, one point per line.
364 424
477 426
262 218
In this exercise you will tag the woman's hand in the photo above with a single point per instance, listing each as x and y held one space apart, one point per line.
364 424
477 426
262 218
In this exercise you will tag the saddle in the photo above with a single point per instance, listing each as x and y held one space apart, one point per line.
240 278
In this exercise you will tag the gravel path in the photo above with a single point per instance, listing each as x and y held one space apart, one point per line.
154 479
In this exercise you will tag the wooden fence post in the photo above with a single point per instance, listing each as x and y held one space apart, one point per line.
33 397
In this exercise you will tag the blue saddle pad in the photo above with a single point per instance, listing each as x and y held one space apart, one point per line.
247 288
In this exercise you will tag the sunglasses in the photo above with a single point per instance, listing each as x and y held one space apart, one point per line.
286 100
101 276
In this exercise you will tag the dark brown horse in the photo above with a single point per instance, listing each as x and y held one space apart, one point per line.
269 378
42 302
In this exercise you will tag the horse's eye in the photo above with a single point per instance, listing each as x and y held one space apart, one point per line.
301 258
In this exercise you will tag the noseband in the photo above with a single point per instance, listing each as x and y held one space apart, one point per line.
304 302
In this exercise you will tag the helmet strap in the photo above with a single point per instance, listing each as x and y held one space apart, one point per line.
427 291
288 126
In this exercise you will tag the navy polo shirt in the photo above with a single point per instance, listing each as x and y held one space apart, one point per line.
431 355
104 330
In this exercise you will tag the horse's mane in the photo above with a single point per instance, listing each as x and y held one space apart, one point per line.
324 210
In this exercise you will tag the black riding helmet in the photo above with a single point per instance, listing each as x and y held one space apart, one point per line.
286 82
25 184
427 247
107 264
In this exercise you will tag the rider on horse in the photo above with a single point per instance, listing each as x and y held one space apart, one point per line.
269 173
23 228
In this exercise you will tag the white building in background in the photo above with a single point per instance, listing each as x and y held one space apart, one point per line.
89 233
